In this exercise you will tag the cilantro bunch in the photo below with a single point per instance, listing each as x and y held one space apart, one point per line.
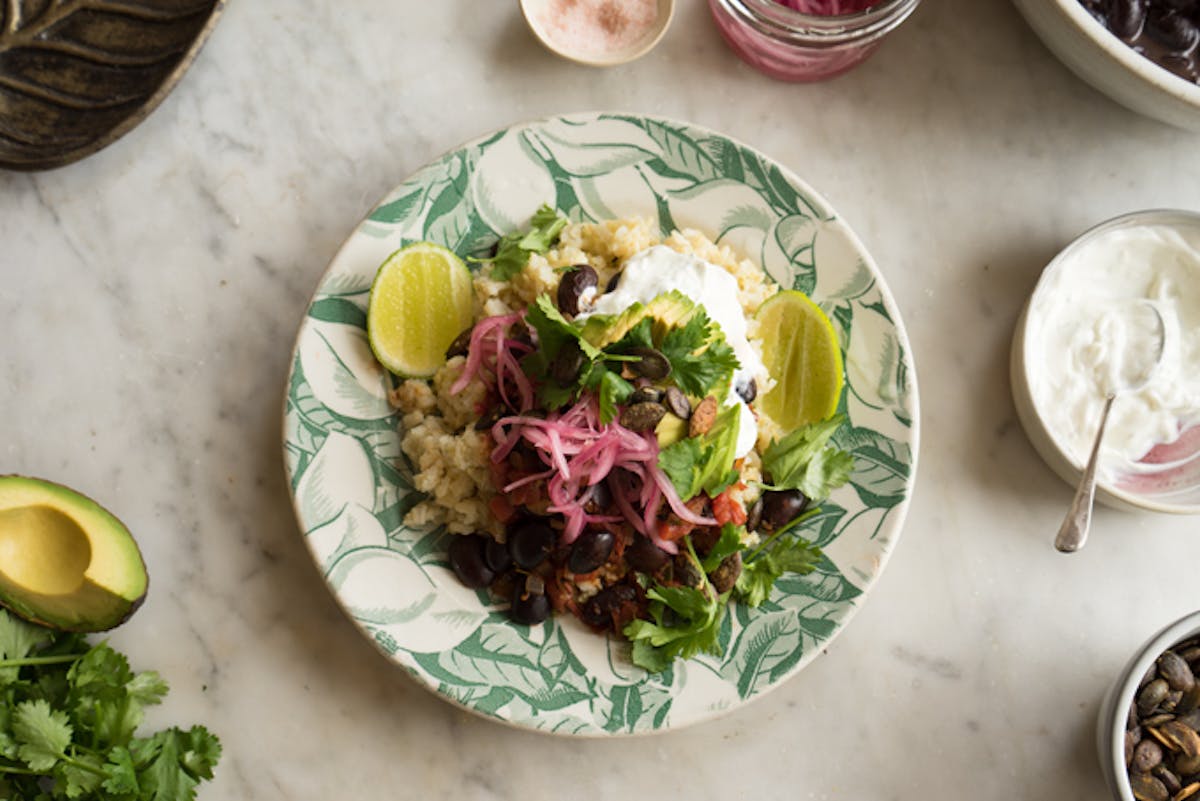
69 713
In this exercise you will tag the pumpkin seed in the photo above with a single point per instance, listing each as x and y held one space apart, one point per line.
1147 756
678 403
1154 694
652 364
642 416
1175 671
1181 737
1147 788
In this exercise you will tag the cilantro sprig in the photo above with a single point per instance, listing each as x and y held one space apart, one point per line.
806 460
514 248
69 715
685 621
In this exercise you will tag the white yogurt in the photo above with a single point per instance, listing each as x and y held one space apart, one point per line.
659 269
1086 337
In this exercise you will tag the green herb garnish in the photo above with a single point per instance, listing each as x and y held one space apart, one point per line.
513 250
704 462
68 717
701 360
805 460
694 623
774 557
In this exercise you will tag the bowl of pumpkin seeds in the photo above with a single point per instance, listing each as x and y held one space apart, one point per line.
1149 728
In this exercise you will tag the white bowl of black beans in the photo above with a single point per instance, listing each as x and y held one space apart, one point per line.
1148 735
1145 54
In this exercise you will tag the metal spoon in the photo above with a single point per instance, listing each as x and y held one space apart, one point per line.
1074 531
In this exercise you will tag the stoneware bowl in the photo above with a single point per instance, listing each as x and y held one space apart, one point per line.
556 24
75 76
1183 497
1114 711
1111 66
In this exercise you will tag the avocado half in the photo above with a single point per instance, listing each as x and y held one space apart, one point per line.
65 561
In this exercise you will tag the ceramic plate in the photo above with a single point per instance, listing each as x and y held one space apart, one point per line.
352 486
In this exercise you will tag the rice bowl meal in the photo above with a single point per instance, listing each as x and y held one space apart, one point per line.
623 415
594 442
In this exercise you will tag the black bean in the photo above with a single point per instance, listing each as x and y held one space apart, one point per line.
644 556
573 289
496 557
590 550
1173 30
686 572
781 507
748 390
754 514
598 498
726 574
459 346
529 608
530 541
677 403
1126 17
604 610
613 282
468 560
565 366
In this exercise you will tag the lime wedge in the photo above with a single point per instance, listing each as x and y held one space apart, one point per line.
800 351
420 301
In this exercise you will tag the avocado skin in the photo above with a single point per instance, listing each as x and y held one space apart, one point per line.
90 608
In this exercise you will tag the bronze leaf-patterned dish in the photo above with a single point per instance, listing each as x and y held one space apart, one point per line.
77 74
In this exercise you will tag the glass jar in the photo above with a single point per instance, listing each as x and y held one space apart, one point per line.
792 46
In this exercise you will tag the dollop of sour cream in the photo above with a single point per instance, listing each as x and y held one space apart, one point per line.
658 269
1086 338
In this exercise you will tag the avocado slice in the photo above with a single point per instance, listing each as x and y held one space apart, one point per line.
666 311
65 561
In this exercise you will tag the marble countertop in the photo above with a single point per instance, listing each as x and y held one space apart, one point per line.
151 294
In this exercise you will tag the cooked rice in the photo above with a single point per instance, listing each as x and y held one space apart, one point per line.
451 463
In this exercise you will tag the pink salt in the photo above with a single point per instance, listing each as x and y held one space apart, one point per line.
828 8
596 27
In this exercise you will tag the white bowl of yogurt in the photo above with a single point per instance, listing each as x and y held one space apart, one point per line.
1077 332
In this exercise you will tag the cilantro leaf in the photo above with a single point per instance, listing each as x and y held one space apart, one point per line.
120 776
614 390
172 762
729 543
704 462
17 641
700 358
42 734
759 573
806 461
512 252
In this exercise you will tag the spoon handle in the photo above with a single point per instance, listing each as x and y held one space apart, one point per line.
1074 530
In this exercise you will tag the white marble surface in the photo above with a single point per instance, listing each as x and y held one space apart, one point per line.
151 293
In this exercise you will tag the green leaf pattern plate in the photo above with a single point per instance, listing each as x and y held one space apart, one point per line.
352 485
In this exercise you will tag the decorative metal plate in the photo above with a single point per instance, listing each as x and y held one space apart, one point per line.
75 75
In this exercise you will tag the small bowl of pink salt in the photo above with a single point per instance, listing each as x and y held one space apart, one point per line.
599 33
807 40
